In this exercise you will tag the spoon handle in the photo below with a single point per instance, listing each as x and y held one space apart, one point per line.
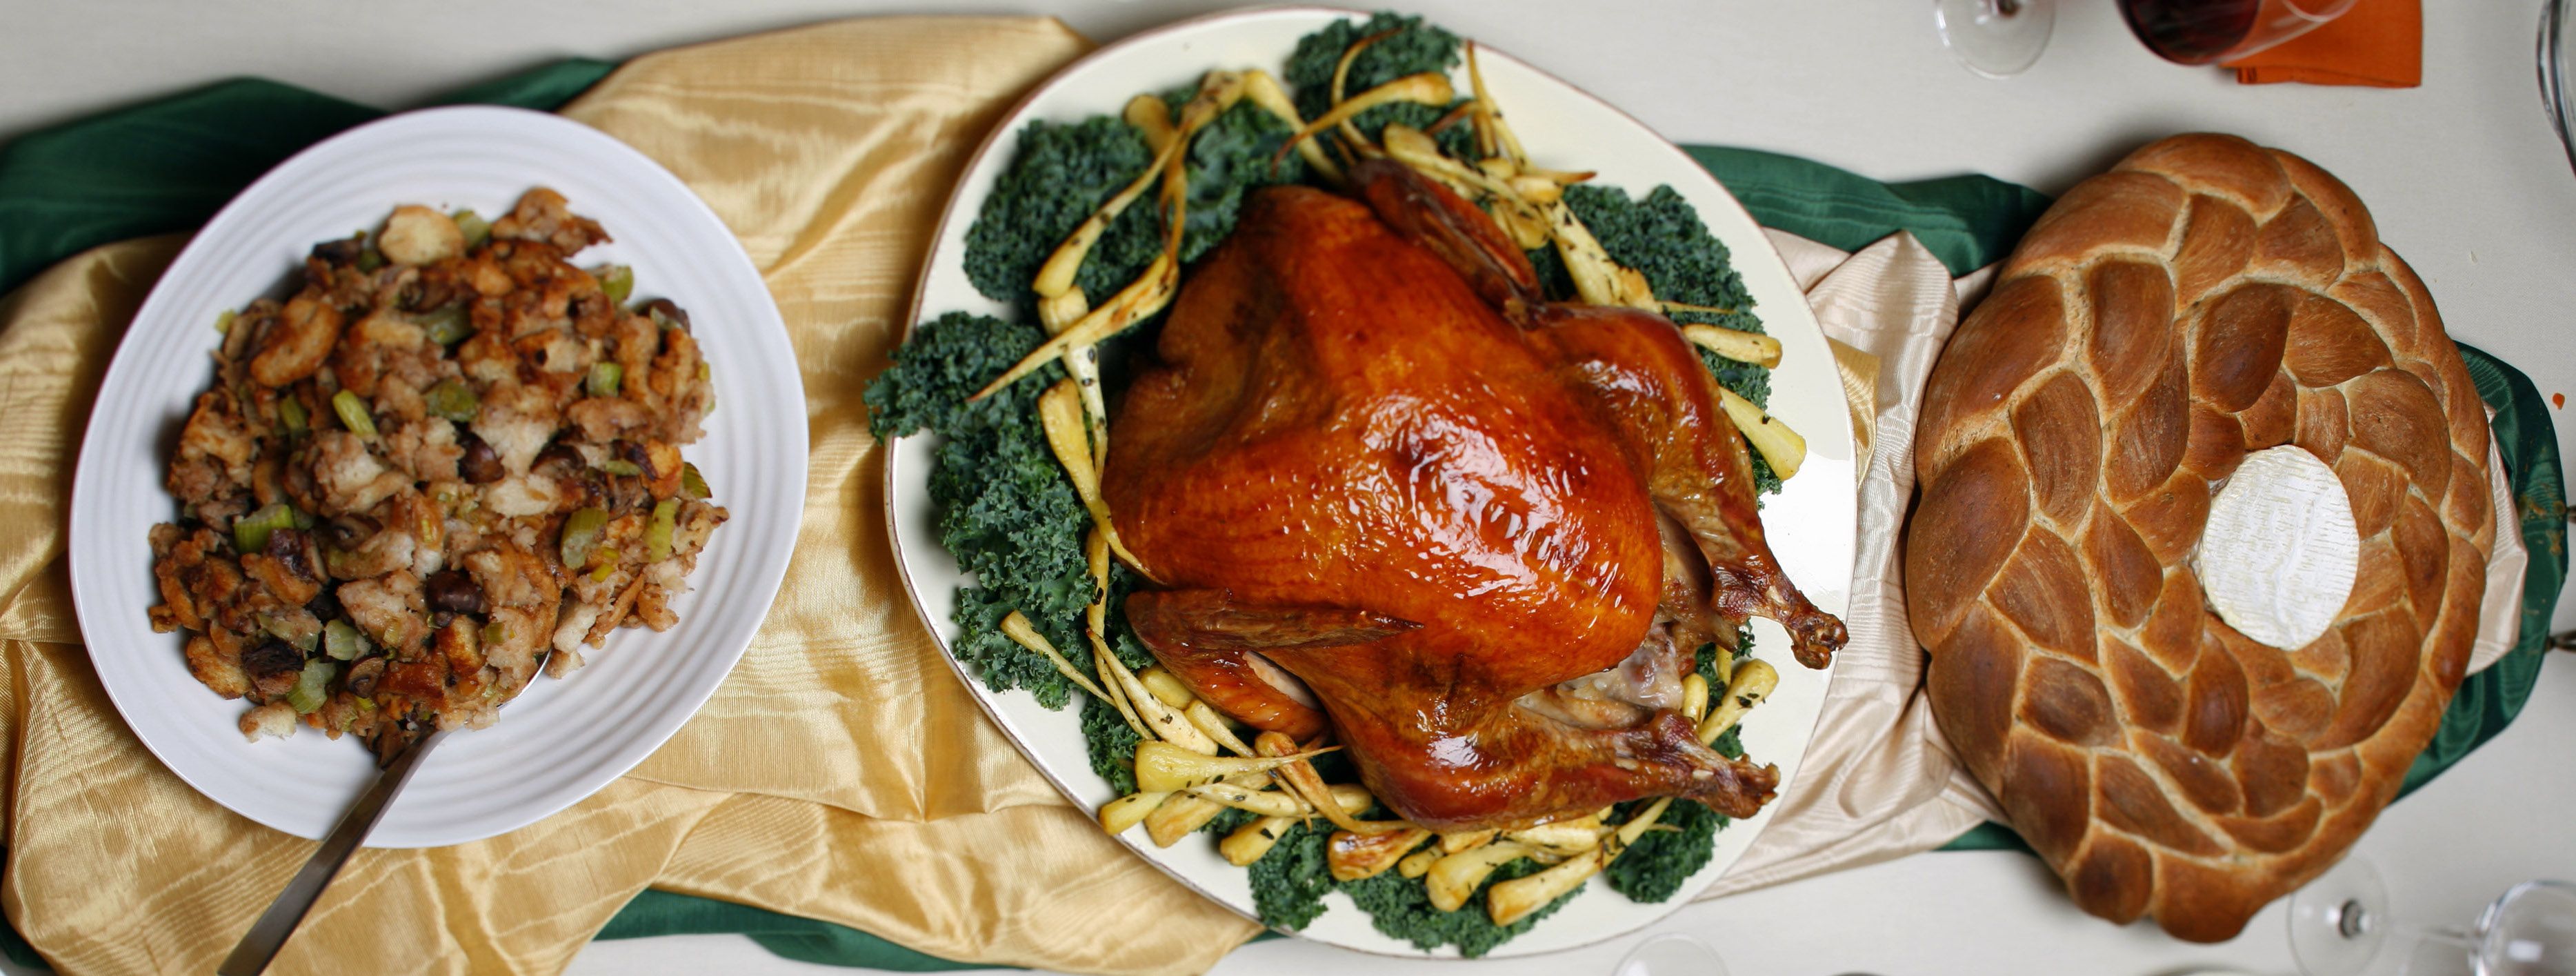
267 935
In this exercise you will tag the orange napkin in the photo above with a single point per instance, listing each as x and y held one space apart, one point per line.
2379 43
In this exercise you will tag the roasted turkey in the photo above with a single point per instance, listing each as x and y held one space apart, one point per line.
1481 534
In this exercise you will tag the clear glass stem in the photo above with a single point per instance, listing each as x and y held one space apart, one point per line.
2436 950
2445 934
2352 920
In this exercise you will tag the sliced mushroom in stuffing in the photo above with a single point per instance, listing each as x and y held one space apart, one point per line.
441 461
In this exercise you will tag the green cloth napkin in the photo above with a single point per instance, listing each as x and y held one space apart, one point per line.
787 936
1966 221
168 165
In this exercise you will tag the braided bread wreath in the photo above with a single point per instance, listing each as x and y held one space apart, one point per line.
2206 298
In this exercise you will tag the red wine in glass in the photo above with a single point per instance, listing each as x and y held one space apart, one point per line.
2210 31
2190 31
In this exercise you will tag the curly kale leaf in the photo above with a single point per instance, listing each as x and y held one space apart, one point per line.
946 361
1290 881
1111 743
1229 159
1730 744
1060 175
1007 512
1063 173
1401 908
1414 47
1653 869
1009 515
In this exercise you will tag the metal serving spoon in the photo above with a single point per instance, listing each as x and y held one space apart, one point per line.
266 936
259 945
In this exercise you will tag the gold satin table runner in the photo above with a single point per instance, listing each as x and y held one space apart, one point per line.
841 772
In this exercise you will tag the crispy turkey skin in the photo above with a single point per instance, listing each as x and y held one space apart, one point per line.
1370 455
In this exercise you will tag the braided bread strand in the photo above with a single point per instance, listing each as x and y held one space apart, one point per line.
2206 298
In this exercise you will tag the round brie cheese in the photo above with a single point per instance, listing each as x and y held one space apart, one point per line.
2279 552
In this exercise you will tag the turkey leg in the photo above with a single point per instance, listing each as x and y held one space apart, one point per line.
1487 758
1648 379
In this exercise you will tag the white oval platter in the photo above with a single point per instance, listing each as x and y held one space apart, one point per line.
1811 522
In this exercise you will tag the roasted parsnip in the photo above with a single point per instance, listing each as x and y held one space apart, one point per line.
1018 629
1736 344
1773 439
1454 878
1162 767
1353 856
1127 811
1254 839
1509 901
1752 683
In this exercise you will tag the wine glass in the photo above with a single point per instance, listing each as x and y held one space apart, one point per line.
2339 926
2529 931
2555 27
1995 38
2336 925
1671 954
2212 31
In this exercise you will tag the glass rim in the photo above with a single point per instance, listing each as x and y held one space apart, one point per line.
2318 11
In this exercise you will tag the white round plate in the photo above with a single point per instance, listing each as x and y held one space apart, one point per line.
561 740
1811 523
